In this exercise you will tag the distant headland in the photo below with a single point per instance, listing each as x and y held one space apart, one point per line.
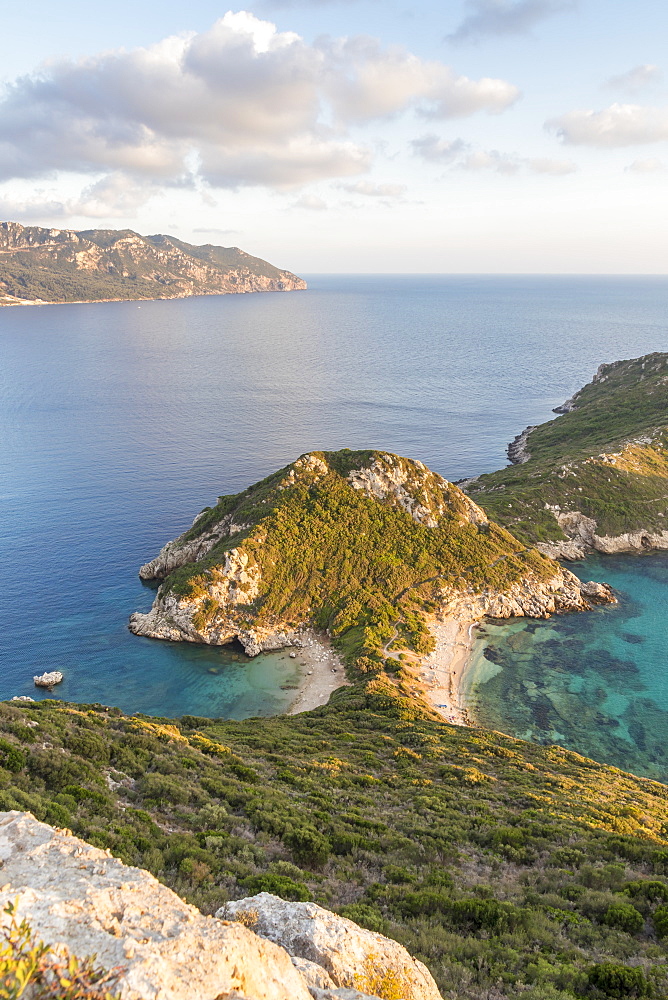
40 266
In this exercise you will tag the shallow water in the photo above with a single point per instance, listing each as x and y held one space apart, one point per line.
121 420
595 682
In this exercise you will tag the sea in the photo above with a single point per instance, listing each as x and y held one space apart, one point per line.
121 420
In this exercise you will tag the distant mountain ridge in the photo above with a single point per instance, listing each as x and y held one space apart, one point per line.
62 265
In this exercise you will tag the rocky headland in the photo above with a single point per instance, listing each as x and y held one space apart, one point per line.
596 477
368 545
39 266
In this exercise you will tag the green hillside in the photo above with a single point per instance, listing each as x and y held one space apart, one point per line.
510 869
364 544
607 458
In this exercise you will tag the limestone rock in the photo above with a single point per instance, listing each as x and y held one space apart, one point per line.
582 538
49 679
353 957
517 450
76 895
530 598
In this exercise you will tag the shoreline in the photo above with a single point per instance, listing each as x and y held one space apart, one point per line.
444 670
323 672
157 298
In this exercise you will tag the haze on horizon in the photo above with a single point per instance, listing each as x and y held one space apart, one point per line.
500 136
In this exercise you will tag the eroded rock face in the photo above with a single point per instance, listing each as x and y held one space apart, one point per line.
581 538
530 598
415 488
354 958
79 896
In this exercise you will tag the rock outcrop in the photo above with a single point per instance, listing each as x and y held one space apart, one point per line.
517 451
78 899
530 598
350 956
61 265
582 538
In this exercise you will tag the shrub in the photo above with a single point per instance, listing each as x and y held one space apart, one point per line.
625 917
29 969
279 885
651 890
619 981
660 920
308 846
12 757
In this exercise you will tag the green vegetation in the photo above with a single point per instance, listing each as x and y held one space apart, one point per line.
607 458
364 569
29 969
510 869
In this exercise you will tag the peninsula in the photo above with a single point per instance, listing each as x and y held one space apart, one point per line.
39 266
596 477
372 547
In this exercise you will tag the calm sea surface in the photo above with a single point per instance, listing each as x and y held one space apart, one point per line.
120 421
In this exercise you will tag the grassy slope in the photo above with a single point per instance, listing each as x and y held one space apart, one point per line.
357 566
501 864
623 415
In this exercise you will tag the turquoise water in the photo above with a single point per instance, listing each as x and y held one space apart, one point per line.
120 420
596 683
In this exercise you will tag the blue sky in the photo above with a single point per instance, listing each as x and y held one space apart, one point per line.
477 136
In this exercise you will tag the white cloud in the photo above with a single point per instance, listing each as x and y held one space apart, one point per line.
618 125
506 17
311 202
239 104
500 163
436 150
370 190
635 79
557 168
458 153
367 82
114 196
649 166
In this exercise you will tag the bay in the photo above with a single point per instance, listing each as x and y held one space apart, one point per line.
120 421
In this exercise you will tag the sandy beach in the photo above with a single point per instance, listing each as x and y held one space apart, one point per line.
323 672
442 672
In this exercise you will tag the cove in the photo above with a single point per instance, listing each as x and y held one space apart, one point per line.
596 683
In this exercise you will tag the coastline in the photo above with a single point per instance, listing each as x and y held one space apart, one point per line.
444 670
323 674
156 298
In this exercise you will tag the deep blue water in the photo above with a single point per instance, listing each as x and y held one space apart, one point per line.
121 420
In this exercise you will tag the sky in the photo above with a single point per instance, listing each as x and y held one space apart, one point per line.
354 136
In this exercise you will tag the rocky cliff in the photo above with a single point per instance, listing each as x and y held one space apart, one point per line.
596 478
60 265
80 901
365 544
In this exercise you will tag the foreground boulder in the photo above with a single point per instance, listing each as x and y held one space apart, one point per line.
76 895
351 956
78 899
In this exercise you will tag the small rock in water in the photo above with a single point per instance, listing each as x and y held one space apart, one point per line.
293 656
213 670
22 697
48 680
